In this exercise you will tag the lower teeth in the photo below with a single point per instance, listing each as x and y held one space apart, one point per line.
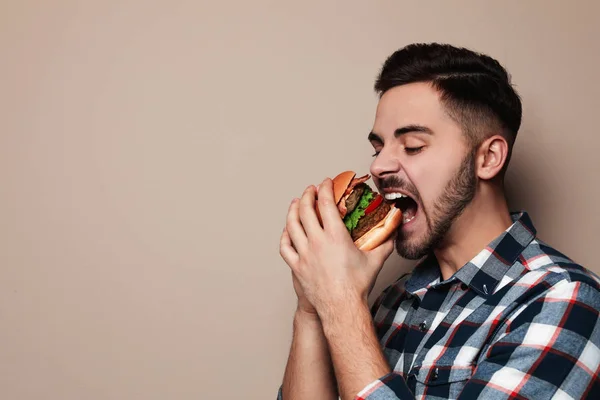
406 219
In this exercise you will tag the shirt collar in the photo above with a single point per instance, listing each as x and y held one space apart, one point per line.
485 271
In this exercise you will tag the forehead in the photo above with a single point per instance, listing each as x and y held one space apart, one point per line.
412 104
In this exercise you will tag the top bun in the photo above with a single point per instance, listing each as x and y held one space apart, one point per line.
341 183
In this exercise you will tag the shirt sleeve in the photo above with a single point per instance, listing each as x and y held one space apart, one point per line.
390 387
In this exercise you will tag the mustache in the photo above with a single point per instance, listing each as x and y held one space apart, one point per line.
394 182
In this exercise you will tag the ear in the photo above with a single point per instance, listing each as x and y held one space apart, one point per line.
491 157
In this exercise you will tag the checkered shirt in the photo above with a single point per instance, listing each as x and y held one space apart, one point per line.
518 321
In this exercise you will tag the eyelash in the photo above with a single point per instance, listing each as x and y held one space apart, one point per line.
409 150
413 150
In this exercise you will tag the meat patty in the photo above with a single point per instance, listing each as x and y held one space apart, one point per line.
369 221
354 198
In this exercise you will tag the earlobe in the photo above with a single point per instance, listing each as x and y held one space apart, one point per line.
493 154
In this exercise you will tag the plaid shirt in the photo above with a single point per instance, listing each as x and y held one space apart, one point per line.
519 321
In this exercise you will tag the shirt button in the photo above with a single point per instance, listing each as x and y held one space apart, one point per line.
435 374
423 326
464 286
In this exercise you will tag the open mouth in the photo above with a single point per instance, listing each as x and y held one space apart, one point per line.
408 206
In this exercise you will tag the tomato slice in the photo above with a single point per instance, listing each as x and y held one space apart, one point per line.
374 204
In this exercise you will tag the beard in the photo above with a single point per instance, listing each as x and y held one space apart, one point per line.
457 195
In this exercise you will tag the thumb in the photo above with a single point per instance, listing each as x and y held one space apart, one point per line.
378 255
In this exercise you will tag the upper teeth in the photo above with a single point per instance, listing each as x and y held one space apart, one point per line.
394 196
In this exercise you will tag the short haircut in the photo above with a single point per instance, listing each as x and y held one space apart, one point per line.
475 89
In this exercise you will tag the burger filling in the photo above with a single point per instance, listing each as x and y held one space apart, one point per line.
367 222
365 210
354 198
359 205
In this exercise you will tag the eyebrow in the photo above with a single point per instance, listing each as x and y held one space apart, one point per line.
373 137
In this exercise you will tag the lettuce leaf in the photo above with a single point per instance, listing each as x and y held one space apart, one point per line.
351 220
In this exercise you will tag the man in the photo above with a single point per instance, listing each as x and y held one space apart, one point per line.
490 311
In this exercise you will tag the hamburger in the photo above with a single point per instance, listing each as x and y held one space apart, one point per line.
369 218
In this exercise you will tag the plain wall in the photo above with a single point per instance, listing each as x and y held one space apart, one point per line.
149 151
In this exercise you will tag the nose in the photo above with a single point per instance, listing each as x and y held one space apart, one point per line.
384 164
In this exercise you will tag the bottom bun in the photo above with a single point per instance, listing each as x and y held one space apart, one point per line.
380 232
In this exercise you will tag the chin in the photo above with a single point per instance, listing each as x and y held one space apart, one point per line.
411 249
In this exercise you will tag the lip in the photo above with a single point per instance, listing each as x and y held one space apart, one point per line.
392 190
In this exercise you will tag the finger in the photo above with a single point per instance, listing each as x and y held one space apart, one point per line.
308 215
286 249
378 255
295 229
327 207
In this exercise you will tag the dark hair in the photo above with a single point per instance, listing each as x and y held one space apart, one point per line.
475 89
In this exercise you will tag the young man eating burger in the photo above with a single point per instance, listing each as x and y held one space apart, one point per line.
490 311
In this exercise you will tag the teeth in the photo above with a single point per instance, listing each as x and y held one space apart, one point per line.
406 220
393 196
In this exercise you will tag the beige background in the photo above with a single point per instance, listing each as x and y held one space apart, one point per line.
149 150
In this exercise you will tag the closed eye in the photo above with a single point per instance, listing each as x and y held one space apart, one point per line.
409 150
413 150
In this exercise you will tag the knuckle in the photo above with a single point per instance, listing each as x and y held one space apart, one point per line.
325 201
304 206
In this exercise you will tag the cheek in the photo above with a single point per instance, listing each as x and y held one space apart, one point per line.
432 177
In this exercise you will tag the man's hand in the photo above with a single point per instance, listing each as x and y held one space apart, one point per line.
304 306
330 272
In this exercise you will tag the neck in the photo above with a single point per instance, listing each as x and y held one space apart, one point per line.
481 222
